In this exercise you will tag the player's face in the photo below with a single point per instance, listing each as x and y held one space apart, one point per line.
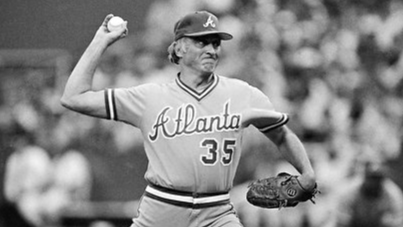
202 53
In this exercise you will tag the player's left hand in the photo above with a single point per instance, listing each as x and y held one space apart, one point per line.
283 190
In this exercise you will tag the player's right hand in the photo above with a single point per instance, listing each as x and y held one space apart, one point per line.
110 36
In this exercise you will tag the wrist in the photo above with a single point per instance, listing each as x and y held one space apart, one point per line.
308 180
98 43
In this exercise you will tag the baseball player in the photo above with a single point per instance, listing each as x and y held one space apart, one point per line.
192 126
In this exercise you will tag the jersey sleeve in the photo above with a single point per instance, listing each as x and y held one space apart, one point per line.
259 100
282 120
126 104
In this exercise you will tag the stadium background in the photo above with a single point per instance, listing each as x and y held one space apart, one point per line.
334 65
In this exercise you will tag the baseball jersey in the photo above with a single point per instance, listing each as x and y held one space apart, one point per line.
192 139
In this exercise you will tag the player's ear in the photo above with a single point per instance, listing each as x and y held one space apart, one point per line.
172 53
177 48
180 48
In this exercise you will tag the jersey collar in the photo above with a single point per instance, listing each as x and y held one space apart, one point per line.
197 95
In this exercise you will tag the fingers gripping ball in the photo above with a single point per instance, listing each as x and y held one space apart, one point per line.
284 190
115 23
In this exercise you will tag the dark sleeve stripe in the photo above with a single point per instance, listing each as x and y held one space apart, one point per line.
110 104
115 113
108 114
282 121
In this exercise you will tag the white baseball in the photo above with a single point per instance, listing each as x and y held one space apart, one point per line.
115 23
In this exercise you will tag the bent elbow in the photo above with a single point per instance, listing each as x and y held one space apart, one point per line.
66 102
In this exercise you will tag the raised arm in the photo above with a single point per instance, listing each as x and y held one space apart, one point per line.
78 94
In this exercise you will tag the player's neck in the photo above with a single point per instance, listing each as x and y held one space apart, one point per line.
196 82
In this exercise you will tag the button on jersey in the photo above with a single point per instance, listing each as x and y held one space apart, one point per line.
192 139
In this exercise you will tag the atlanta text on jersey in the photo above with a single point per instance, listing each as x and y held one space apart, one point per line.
187 122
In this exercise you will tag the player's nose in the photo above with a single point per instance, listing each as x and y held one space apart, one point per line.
212 51
211 48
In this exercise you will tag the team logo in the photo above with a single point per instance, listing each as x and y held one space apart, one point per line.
209 22
291 192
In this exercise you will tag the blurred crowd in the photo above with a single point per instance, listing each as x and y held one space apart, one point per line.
334 66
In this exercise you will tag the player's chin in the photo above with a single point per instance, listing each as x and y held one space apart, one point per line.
209 66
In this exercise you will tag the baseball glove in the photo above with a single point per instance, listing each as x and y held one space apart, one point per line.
284 190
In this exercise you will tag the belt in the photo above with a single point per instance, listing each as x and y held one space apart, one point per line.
187 199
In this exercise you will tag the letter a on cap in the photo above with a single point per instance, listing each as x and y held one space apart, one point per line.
209 22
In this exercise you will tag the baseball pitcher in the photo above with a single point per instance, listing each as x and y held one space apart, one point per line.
192 127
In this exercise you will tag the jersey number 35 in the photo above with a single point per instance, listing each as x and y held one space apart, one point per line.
215 152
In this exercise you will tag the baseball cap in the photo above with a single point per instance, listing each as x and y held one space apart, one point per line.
199 23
